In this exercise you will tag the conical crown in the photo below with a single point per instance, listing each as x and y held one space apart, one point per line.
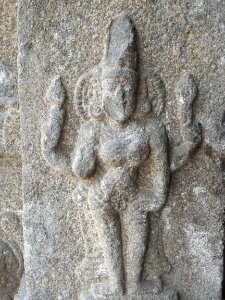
121 45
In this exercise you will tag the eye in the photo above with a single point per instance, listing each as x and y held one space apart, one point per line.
187 93
123 80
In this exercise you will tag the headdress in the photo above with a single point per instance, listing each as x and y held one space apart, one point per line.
120 52
121 49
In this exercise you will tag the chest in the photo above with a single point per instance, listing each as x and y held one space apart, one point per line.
121 147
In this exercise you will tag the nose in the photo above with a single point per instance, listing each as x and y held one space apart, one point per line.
121 95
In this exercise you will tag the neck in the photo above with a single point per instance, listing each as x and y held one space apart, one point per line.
116 124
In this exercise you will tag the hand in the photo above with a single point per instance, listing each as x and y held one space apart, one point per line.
84 162
147 201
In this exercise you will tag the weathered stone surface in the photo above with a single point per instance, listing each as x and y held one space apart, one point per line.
11 243
11 266
8 49
83 174
166 295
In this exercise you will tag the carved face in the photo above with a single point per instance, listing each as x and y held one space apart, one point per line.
119 88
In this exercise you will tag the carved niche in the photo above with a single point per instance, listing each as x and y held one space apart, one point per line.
121 158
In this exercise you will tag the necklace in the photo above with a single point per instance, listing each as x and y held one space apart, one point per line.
121 133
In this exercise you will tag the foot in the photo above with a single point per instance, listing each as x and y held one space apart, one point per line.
105 289
145 287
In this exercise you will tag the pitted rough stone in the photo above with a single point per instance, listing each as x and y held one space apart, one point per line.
81 173
10 157
166 295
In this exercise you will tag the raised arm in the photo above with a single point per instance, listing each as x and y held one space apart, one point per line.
159 162
52 128
190 137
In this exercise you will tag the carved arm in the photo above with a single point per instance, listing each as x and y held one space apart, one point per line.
160 162
190 130
155 177
191 136
84 158
52 128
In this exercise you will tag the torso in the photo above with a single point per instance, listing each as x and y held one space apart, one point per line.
120 153
127 147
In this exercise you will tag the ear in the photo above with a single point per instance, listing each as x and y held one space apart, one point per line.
151 94
95 107
87 93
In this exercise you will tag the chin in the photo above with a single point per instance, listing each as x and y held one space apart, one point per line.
121 119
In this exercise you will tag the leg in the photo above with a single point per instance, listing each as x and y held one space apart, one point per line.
137 223
107 223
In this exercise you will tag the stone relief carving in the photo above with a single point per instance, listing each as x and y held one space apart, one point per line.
11 268
10 128
11 258
122 159
190 130
10 223
219 132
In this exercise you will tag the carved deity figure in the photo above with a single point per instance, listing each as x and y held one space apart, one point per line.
121 157
116 147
